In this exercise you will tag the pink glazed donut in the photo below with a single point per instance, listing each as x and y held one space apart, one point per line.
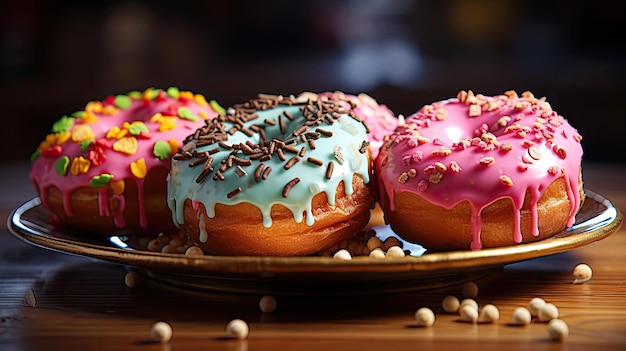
103 170
476 171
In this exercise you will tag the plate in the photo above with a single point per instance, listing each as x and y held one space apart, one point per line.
421 270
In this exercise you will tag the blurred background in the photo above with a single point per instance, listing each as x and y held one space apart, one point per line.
55 56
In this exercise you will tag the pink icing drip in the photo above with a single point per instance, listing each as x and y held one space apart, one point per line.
42 171
118 217
493 143
103 202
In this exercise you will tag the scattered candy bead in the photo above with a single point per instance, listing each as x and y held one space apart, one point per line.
161 332
133 279
425 317
267 304
558 329
343 254
521 316
237 329
468 313
582 273
535 304
470 289
30 299
489 314
548 312
451 304
395 252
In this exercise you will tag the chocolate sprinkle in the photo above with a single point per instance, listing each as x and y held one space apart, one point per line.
234 192
329 169
290 185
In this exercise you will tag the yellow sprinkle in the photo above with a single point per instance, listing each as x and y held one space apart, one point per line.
126 145
62 138
89 117
125 125
80 165
81 133
203 114
118 187
200 100
156 118
186 95
167 125
110 110
138 168
147 94
94 107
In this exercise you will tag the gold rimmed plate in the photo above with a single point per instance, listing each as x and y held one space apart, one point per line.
597 220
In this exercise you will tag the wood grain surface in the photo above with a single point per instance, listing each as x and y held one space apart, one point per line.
55 301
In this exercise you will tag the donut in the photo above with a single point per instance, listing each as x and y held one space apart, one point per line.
479 171
273 176
378 118
103 170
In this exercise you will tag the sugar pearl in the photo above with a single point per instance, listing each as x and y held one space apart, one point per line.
548 312
469 313
30 299
377 253
194 251
558 329
395 252
582 273
521 316
470 302
161 332
267 304
450 304
425 317
343 254
470 289
489 314
535 304
133 279
237 329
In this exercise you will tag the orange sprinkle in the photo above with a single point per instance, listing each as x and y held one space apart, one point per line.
200 100
89 117
118 187
94 107
174 144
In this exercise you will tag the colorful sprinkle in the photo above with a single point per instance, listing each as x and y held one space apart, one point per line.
64 124
100 180
80 165
81 133
217 107
185 113
162 149
118 187
61 165
126 145
137 127
138 168
173 92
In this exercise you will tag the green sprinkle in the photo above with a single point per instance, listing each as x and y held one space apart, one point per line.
216 107
84 145
162 149
155 93
78 114
137 127
34 155
64 124
123 101
185 113
173 92
135 94
100 180
61 165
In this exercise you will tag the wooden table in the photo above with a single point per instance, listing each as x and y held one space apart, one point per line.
84 304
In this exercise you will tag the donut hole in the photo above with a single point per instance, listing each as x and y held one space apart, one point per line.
238 229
